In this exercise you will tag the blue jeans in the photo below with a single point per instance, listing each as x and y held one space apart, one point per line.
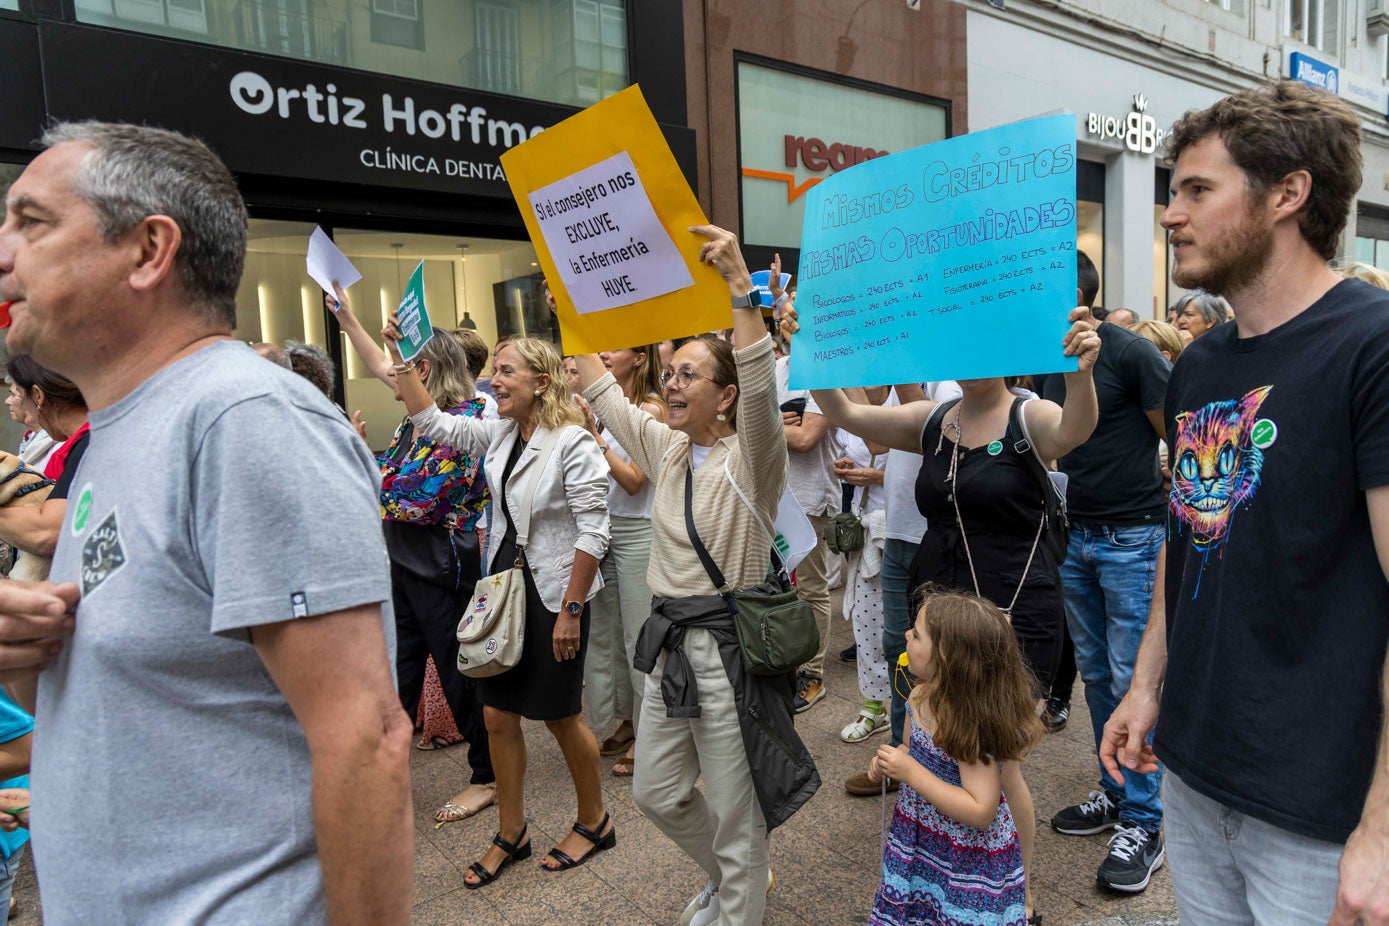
1232 870
897 618
8 868
1108 582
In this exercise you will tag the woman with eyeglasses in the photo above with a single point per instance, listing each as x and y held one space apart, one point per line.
723 444
622 606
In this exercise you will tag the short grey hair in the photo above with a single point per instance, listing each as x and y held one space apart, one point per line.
138 171
1214 309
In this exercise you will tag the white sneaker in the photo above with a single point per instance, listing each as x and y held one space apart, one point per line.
703 909
865 725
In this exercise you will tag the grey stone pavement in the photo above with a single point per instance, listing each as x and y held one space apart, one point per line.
825 859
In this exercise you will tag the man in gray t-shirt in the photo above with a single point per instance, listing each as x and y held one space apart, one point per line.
223 712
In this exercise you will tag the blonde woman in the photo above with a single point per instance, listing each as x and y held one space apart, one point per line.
568 538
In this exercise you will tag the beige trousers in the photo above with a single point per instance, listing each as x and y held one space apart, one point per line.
813 585
723 832
611 686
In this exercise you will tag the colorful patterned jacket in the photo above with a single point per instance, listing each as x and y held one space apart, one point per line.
431 483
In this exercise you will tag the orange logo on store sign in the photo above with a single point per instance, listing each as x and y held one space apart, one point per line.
815 155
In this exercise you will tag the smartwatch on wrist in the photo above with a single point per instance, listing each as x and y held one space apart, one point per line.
753 299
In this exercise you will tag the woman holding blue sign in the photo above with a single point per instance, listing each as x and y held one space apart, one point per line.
984 490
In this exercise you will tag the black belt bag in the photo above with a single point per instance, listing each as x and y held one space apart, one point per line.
776 629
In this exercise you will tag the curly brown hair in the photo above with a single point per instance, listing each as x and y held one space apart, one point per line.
980 693
1280 128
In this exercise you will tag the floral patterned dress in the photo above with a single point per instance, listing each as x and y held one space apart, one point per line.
938 870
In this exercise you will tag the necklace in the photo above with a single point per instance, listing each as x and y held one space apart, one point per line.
960 523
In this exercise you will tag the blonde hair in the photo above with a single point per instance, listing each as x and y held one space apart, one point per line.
980 693
1162 334
450 383
1355 270
556 406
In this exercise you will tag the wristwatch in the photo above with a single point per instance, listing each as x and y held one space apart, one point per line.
603 448
573 608
753 299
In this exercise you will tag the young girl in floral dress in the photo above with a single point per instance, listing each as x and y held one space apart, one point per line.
952 854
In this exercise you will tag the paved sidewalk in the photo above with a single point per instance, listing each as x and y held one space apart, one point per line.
826 859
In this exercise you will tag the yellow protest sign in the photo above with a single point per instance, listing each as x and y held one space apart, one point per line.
609 213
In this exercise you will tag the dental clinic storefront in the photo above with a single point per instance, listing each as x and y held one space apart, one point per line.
382 122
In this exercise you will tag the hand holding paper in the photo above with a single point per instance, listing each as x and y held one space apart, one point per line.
328 266
722 253
1082 340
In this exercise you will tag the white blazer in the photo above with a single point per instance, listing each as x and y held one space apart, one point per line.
570 508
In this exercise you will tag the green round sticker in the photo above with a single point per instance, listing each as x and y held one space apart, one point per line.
995 448
1264 434
83 510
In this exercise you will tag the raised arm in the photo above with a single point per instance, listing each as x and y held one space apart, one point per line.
1059 430
461 432
722 253
368 350
897 427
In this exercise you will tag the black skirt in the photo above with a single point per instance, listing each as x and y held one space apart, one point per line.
538 687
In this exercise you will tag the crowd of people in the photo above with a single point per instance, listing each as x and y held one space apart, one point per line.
254 617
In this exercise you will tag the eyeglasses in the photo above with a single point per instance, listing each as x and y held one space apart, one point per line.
682 378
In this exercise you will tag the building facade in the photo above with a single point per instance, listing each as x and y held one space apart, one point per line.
1127 70
380 120
784 93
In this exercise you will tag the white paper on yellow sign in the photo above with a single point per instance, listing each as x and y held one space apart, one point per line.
609 213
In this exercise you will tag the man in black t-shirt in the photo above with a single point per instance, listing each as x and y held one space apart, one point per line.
1263 664
1118 521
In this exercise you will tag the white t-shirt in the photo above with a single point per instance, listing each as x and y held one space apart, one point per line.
620 504
698 454
904 520
811 476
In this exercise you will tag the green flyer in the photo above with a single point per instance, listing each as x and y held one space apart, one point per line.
415 329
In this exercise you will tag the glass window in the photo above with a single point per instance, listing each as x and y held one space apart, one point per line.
562 51
397 22
9 4
174 17
796 130
1304 21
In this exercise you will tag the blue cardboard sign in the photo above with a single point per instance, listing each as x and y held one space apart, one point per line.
955 260
1314 73
762 281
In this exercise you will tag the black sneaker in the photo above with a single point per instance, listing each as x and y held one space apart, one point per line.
850 654
809 692
1095 814
1134 854
1055 715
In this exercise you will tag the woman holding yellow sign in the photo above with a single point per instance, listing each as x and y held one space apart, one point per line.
720 468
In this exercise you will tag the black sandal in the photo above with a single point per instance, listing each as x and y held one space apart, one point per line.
514 853
600 843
